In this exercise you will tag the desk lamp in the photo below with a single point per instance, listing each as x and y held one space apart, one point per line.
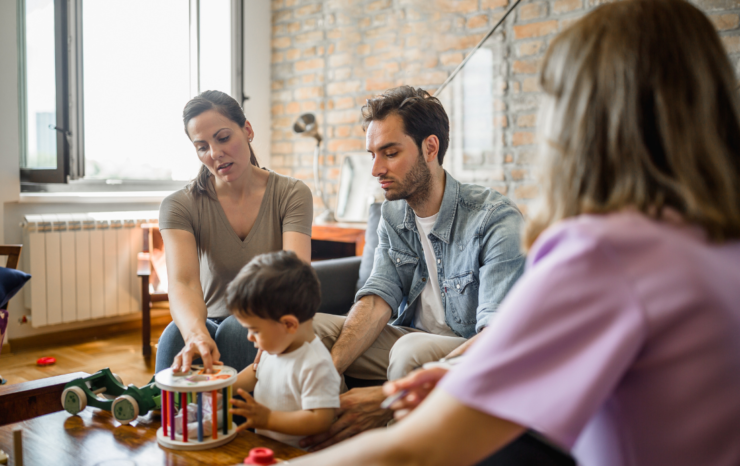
306 125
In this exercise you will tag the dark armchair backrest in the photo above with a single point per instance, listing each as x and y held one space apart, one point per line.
371 242
341 278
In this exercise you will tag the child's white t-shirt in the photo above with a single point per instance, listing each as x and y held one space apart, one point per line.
302 379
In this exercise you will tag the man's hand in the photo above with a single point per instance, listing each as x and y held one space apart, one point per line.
197 345
258 416
418 384
359 411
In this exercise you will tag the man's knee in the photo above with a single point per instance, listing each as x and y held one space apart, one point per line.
413 350
327 328
407 354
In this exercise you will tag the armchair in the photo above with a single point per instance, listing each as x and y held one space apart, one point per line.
341 278
338 278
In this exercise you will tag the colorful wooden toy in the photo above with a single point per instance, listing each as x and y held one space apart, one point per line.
105 390
197 394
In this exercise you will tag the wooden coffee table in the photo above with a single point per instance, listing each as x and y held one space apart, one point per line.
93 438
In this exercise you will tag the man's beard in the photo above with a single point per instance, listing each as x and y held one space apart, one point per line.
415 185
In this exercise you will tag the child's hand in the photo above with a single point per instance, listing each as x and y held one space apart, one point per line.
257 415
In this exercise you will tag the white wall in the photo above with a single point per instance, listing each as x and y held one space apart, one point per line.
257 59
9 150
257 19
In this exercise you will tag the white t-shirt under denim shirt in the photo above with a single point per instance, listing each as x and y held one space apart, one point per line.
430 315
302 379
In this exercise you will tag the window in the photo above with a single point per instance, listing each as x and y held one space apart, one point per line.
104 84
42 148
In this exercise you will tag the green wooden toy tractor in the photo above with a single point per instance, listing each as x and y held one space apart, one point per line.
105 390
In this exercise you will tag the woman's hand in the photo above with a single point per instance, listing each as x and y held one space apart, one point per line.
418 384
257 359
257 415
199 344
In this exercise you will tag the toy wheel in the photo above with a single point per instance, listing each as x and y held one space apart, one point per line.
118 377
125 409
74 400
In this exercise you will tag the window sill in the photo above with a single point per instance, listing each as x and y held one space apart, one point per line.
119 197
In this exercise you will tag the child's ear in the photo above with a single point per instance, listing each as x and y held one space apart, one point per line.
291 323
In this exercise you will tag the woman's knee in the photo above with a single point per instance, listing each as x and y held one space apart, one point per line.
170 343
236 350
230 330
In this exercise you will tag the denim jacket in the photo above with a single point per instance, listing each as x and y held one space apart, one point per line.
476 241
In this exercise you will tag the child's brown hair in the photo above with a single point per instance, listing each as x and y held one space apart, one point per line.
273 285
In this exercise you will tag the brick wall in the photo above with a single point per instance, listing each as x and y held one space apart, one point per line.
329 56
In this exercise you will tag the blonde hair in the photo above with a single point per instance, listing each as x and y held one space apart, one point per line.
643 114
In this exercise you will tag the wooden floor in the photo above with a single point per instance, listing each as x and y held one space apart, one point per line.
121 353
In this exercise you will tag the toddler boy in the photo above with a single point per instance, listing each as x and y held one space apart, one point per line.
296 387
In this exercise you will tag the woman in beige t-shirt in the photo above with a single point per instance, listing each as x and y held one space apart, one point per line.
233 211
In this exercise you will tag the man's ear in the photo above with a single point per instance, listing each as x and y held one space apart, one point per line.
430 148
291 323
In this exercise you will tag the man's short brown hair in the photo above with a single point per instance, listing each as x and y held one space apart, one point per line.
422 115
273 285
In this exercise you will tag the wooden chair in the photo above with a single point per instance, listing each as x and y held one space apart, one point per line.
148 275
13 251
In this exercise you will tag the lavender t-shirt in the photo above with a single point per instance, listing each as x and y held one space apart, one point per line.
621 342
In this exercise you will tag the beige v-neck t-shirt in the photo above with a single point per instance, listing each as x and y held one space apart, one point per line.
286 206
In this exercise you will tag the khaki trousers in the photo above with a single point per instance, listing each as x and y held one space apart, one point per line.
396 352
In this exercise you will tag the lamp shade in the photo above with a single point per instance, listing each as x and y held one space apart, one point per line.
306 125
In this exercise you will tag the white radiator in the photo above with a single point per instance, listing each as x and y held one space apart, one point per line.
83 265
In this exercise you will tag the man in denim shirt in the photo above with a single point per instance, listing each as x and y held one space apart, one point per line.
447 255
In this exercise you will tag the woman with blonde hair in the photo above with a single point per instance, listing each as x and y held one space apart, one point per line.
621 342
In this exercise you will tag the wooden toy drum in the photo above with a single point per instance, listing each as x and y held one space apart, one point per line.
195 386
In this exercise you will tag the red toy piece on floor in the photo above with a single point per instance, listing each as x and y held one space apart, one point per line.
260 456
48 361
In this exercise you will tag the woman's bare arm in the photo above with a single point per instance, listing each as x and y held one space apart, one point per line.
298 243
186 299
441 431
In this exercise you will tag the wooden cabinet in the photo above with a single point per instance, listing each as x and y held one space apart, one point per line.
335 240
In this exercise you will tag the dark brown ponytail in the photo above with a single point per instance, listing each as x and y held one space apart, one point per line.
226 106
